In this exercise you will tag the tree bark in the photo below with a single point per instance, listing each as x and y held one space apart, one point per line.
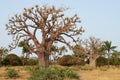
108 61
92 61
43 59
0 61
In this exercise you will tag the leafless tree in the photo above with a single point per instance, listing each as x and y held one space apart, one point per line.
47 22
94 49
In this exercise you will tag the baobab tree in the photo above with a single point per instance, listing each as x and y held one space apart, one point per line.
94 49
47 22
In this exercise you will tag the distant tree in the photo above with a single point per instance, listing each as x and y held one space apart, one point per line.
78 49
12 59
3 53
62 50
101 61
54 51
25 51
115 58
79 53
47 22
94 49
116 54
108 48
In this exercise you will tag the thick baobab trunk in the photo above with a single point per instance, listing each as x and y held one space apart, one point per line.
43 59
92 61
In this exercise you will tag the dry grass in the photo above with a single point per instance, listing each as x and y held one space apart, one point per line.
22 73
95 74
98 74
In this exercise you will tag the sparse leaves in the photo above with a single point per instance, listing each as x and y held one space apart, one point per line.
49 22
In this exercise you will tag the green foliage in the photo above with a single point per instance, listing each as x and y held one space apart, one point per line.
51 73
67 60
101 61
70 74
32 62
12 73
108 46
12 59
114 61
24 47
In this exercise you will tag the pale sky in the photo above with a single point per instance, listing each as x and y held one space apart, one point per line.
100 18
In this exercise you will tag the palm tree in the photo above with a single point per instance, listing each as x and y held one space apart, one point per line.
25 51
54 50
3 52
108 48
62 50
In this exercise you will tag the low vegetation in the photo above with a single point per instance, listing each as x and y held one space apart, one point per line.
12 73
52 73
89 55
102 73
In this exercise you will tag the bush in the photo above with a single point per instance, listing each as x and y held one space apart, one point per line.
32 62
115 61
12 73
12 59
101 61
51 73
67 60
70 74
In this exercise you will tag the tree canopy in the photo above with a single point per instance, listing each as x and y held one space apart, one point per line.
47 22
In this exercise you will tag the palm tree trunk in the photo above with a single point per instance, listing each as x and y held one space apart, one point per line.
108 59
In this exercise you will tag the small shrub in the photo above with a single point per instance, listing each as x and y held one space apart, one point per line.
51 73
101 61
12 73
70 74
115 61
